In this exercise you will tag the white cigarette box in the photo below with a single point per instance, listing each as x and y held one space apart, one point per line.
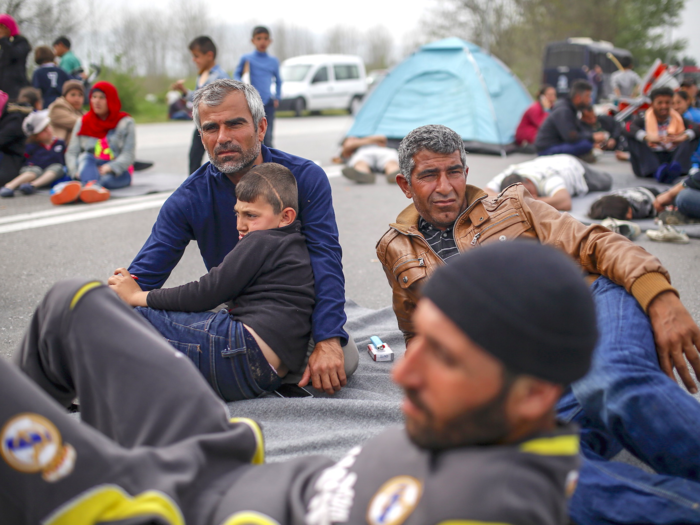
383 353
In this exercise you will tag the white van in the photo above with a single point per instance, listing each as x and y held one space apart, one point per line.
317 82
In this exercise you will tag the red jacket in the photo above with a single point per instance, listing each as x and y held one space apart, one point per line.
530 123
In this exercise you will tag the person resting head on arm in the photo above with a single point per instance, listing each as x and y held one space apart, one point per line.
267 283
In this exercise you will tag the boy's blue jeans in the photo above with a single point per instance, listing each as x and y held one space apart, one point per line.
576 149
222 349
87 168
626 401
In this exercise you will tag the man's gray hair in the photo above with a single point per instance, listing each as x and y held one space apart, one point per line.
214 94
435 138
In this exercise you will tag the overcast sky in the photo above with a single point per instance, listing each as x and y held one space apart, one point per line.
401 18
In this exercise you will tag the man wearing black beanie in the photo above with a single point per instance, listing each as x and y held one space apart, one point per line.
630 399
481 443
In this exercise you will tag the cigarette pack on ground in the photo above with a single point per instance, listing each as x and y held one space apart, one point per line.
378 350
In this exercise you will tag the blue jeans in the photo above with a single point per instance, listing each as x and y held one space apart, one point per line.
575 148
88 172
270 116
626 401
222 349
688 202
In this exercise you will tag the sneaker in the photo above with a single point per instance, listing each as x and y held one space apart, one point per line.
358 176
27 189
625 228
667 233
675 217
6 192
93 192
65 192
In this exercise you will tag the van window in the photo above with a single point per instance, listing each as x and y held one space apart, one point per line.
321 75
565 55
295 73
346 71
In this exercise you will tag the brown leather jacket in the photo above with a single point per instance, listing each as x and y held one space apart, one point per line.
408 259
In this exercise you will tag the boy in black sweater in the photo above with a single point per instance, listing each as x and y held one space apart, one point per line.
267 283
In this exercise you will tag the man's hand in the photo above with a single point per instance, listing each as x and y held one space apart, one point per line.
652 139
104 169
676 335
276 103
326 367
675 139
124 284
599 136
611 144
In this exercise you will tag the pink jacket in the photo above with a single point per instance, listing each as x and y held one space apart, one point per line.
530 124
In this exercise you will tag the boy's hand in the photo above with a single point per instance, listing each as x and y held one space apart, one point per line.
124 284
104 169
276 103
326 367
179 86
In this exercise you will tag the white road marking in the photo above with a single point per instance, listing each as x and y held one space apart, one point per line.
74 213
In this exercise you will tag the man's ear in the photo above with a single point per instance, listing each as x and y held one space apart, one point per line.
287 217
403 184
262 129
531 399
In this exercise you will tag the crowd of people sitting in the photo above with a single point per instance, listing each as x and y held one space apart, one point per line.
47 141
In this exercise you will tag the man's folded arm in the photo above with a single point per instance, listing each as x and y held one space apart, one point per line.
164 248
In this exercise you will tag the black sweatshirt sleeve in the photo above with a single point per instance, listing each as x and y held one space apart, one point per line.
223 283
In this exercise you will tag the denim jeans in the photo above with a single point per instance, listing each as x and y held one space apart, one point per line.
626 401
270 116
88 172
576 149
222 349
688 202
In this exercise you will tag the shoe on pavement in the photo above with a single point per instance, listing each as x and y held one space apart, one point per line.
625 228
667 233
93 192
358 176
391 177
589 157
27 189
674 217
6 192
65 192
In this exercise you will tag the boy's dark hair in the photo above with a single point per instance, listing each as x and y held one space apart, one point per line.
511 179
687 82
663 91
260 30
29 95
273 182
43 55
580 86
203 44
683 94
62 40
626 62
613 206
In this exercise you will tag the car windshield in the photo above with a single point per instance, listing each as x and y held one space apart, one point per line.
294 73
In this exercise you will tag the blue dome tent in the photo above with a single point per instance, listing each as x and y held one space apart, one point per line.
449 82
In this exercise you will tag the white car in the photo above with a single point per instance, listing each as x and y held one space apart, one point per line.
316 82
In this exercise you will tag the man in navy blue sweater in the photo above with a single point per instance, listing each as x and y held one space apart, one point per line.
231 118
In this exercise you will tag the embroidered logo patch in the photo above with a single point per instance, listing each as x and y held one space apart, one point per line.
31 443
394 501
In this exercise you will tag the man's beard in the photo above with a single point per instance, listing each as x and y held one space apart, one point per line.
484 425
230 167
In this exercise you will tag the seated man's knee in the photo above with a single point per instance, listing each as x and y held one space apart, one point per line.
351 357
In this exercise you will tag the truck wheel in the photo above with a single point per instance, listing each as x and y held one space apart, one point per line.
299 107
355 105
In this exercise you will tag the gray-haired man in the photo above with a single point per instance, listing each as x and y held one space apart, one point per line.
231 118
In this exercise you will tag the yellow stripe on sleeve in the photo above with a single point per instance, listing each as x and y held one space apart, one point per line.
111 503
554 446
259 456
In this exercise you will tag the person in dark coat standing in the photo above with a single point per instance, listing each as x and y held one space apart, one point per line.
14 49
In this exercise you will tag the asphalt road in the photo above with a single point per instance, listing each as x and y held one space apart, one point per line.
43 248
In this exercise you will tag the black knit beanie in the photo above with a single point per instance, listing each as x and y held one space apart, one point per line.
526 304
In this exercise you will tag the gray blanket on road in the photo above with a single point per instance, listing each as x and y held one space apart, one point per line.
331 425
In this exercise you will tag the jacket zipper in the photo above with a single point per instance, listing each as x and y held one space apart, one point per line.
476 237
420 260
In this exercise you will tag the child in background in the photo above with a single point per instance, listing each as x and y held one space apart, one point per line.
263 68
48 77
12 138
69 62
625 204
204 56
45 157
67 110
267 283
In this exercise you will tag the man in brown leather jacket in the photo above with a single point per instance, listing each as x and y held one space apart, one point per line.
626 401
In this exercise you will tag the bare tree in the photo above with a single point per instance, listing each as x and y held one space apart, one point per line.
379 48
290 40
343 39
41 21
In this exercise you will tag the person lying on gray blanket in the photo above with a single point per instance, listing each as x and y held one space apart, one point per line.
156 446
625 204
553 179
